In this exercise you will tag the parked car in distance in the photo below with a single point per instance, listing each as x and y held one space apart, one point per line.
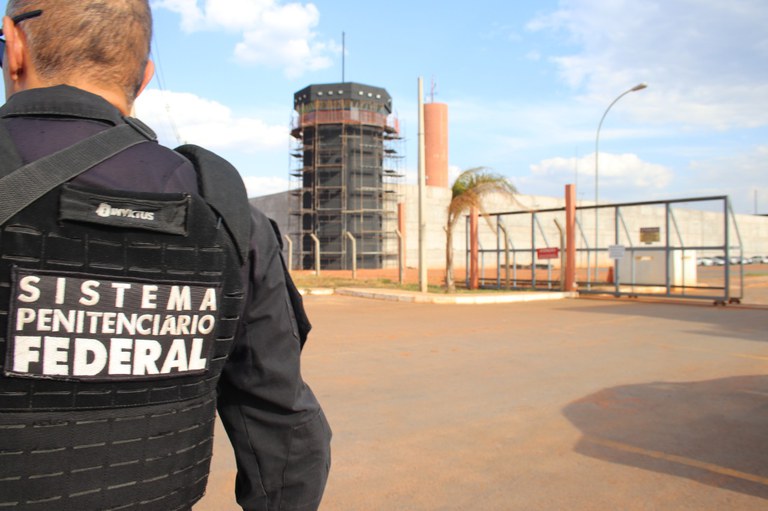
705 261
718 261
759 259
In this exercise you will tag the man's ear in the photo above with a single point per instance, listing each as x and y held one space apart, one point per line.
149 72
15 58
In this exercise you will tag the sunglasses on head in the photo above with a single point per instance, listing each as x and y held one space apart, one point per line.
16 20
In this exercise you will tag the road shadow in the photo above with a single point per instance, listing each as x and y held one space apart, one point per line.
714 432
705 320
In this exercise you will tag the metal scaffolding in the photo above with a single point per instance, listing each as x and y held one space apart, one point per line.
345 174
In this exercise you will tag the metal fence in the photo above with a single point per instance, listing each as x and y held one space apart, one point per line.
683 248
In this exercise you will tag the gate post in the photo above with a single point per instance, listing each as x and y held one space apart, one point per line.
354 253
570 238
317 252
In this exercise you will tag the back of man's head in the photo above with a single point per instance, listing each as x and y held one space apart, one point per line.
101 42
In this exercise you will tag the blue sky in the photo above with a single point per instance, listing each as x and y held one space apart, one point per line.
526 84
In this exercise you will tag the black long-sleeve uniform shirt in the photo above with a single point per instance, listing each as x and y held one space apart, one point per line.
280 436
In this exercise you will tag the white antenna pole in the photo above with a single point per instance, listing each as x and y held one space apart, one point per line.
422 193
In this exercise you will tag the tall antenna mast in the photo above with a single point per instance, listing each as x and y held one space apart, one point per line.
343 55
432 88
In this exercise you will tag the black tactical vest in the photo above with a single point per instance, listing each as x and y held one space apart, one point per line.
117 313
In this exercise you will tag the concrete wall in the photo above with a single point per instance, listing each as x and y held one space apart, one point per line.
436 212
276 207
696 227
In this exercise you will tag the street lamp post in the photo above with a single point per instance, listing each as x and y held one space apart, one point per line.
636 88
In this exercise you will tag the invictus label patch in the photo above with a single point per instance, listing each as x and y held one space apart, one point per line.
158 215
107 210
76 327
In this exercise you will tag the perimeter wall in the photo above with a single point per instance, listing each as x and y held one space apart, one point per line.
696 227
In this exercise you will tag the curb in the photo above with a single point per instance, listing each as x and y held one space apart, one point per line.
415 297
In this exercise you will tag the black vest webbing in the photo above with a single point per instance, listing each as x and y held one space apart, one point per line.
134 430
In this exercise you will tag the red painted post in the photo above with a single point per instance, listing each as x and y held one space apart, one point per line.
474 278
570 238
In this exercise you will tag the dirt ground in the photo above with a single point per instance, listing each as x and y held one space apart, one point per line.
578 404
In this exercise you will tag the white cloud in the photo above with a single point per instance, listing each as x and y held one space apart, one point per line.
274 34
533 56
186 118
191 16
259 186
704 59
412 175
614 170
740 176
453 172
750 167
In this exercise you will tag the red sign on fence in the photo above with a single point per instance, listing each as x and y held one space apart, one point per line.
547 253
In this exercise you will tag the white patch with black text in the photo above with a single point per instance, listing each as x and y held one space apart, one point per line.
78 327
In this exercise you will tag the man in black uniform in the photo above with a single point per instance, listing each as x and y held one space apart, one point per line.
134 299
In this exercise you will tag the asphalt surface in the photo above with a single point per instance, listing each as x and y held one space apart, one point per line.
577 404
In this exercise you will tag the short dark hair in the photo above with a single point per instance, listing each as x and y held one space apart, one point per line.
105 41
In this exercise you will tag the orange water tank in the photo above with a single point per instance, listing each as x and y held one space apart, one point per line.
436 144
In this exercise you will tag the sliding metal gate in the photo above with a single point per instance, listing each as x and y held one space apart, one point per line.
684 248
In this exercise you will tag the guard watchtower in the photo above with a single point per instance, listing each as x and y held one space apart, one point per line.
345 175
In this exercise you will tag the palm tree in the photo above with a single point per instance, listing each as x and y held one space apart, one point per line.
469 190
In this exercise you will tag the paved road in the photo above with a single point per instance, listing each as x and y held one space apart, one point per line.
573 404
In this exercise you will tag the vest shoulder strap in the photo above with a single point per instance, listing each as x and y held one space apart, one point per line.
28 183
222 188
9 157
